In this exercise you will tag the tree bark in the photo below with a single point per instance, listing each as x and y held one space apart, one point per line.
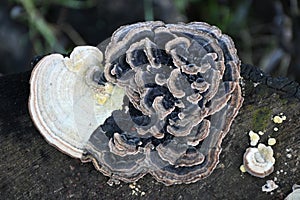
30 168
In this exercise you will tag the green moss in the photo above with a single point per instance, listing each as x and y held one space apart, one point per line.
283 101
261 118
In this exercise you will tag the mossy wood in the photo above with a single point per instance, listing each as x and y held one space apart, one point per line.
31 168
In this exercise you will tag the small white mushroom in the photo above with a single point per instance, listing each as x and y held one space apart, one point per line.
269 186
254 138
277 120
261 133
242 169
259 161
271 141
295 195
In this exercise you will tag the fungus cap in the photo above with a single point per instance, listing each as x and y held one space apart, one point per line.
259 161
162 104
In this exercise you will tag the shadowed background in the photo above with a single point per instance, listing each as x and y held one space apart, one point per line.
266 33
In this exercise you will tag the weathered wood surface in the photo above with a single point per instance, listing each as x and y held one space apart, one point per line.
32 169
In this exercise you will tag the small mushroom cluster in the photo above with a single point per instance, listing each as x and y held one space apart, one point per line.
171 92
259 161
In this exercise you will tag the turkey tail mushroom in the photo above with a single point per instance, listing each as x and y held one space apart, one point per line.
169 93
184 78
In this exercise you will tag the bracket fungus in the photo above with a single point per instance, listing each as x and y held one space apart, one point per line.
259 161
159 100
65 103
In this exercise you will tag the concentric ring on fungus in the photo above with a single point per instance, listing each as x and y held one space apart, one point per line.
171 92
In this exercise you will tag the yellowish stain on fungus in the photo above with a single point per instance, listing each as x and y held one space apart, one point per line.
102 96
109 88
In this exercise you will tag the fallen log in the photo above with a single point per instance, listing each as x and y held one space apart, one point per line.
31 168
